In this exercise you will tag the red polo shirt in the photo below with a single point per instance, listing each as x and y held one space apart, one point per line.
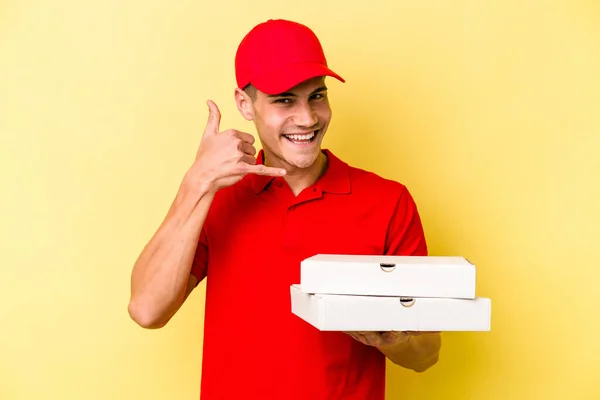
254 237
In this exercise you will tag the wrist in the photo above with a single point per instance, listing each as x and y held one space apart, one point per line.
198 183
191 192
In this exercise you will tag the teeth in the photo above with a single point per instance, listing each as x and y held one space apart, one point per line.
302 137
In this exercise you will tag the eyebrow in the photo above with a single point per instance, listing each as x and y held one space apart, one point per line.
289 94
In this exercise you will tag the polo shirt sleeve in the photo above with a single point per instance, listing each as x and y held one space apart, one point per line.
405 236
199 265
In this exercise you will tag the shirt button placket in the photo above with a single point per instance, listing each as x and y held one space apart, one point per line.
291 230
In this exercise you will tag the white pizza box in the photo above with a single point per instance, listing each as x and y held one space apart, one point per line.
411 276
330 312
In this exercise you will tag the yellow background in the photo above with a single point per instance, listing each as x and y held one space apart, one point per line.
488 111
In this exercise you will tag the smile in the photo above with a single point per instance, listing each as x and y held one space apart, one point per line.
303 138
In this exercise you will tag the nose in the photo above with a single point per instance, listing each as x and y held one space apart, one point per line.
305 116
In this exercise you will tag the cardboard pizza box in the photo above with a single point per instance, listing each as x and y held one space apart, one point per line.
328 312
411 276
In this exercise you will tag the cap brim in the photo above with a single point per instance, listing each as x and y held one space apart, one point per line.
280 81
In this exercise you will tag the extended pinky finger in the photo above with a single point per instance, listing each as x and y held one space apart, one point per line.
261 169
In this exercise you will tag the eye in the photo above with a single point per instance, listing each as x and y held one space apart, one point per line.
284 100
318 96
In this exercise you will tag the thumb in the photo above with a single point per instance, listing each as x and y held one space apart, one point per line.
214 119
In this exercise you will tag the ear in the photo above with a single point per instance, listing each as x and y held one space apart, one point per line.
244 104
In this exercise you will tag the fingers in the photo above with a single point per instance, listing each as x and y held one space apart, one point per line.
246 137
248 149
372 338
261 169
367 338
247 165
248 159
420 333
214 119
394 338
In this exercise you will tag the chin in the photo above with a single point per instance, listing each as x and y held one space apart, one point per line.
304 158
302 162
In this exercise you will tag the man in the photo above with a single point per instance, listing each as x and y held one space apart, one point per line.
244 220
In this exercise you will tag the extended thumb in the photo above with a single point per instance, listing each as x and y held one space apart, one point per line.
214 118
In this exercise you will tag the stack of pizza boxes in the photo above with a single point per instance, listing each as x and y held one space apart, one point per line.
389 293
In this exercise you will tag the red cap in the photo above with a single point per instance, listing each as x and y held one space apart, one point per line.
277 55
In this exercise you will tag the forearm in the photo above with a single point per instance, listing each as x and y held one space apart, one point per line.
161 273
418 353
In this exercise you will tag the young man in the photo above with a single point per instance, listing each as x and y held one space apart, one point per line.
244 220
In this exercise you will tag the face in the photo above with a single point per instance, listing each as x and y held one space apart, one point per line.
291 125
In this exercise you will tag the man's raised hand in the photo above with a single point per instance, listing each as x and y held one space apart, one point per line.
223 158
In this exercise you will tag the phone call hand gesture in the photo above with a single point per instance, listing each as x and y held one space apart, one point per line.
224 158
